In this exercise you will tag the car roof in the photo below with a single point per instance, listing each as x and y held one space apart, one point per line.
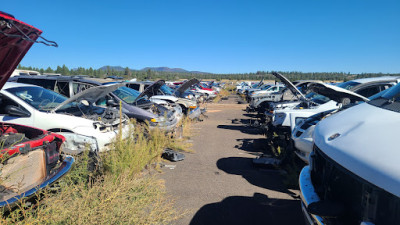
13 85
85 79
374 79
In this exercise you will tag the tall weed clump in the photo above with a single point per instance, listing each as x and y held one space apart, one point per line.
143 147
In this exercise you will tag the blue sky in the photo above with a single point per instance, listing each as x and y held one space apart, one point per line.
220 36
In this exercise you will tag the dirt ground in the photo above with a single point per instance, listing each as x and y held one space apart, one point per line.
217 183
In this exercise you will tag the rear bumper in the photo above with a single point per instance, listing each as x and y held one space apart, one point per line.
61 171
308 196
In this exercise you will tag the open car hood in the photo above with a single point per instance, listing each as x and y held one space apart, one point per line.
260 83
289 85
152 89
336 93
91 95
187 85
13 48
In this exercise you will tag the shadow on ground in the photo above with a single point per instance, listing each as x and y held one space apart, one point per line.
255 116
242 128
258 209
268 179
259 145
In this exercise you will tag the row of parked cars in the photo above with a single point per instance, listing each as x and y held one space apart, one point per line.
345 133
47 119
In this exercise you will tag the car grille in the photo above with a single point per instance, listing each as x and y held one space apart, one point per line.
361 200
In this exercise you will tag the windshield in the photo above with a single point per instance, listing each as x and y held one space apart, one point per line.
128 95
266 86
388 99
317 98
166 90
348 85
392 94
39 98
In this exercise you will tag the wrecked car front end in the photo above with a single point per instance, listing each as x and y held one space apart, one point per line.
354 168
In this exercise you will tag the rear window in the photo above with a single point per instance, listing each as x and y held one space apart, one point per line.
348 85
134 86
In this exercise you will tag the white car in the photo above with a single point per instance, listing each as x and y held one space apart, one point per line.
206 93
161 94
82 124
353 176
329 99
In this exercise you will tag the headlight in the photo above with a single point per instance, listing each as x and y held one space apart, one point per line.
193 106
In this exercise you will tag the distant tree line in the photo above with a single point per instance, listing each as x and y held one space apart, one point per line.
150 74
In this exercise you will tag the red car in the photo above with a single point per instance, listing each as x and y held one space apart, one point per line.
30 158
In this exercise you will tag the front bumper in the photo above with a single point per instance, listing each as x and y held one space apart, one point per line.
105 139
168 126
308 196
195 113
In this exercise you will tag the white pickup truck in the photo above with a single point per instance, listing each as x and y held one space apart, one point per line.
353 176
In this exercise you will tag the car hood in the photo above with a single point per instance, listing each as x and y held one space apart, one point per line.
13 48
91 95
289 85
165 97
260 83
336 93
152 89
365 144
187 85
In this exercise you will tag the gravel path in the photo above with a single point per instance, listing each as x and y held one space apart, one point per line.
217 184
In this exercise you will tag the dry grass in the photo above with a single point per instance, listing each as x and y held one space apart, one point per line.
222 94
121 194
133 154
180 140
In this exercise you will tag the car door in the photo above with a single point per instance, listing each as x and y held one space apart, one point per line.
7 101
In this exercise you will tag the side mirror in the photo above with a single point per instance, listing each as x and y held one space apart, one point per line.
111 102
13 110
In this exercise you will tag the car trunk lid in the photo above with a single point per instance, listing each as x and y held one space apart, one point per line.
16 38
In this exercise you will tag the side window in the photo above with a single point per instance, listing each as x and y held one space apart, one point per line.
5 101
134 86
62 87
386 86
79 87
369 91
